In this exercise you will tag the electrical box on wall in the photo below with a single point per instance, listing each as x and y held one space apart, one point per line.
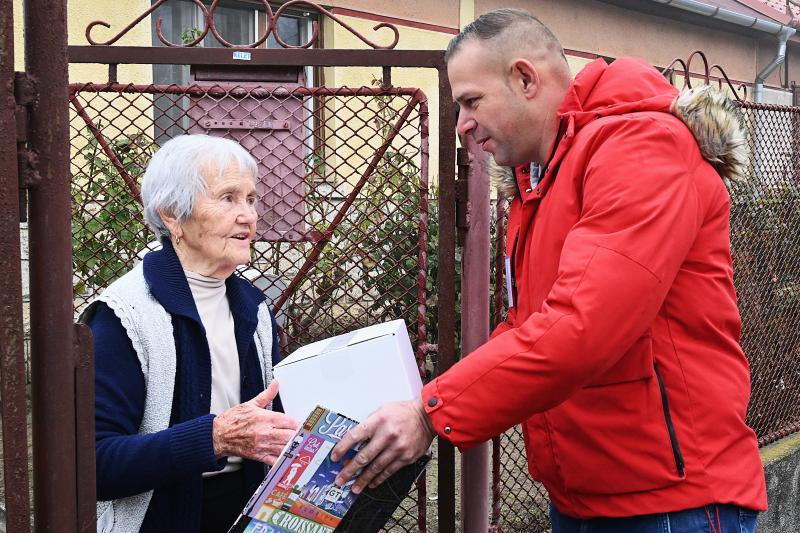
255 107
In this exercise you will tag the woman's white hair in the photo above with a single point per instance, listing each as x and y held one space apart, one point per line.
174 177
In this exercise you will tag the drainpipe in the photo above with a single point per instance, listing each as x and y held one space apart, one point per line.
781 31
780 57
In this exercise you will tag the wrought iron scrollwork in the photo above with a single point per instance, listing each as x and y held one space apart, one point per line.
271 27
707 74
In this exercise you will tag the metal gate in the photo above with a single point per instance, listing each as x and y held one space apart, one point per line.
351 232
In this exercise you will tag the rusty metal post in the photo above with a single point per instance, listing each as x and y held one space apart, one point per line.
86 471
12 356
51 271
446 288
475 324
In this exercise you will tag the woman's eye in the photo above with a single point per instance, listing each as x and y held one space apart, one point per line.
251 200
227 198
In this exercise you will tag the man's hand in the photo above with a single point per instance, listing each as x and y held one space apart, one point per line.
398 434
251 431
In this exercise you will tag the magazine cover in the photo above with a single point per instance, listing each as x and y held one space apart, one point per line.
299 494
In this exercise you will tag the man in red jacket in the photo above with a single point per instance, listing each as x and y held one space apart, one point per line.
620 356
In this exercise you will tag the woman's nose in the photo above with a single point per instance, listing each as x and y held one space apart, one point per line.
248 213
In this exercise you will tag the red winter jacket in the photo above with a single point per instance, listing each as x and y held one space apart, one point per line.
621 358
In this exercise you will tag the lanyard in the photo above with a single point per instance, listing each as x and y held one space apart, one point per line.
509 283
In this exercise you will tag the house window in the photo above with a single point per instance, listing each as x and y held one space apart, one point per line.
238 22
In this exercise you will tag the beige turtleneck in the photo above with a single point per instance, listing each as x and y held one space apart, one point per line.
215 313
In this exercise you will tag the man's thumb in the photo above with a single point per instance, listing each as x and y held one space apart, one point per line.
266 396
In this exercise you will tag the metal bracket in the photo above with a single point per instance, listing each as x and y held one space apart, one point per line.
245 124
25 89
26 94
27 163
462 194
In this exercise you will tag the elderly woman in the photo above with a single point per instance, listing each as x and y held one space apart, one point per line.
183 353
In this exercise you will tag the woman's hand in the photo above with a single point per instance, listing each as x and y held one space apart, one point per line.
251 431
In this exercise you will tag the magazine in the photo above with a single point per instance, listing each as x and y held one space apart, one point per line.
299 494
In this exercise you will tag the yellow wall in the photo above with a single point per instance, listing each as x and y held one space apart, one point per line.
118 15
439 12
18 42
605 29
466 12
340 38
80 14
19 56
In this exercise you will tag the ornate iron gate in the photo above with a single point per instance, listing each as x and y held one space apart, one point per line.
346 236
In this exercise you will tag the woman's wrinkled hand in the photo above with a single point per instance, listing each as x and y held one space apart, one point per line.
251 431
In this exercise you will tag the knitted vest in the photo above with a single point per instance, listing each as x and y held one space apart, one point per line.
149 328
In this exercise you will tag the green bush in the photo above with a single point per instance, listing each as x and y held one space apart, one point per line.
107 226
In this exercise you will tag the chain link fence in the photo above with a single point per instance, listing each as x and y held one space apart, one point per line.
518 502
346 230
765 241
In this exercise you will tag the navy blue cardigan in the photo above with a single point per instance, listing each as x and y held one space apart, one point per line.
170 461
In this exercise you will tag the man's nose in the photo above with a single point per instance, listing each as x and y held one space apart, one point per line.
465 124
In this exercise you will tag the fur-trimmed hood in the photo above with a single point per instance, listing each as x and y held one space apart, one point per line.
629 85
716 124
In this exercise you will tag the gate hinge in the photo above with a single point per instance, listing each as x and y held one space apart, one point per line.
26 94
25 88
27 164
462 194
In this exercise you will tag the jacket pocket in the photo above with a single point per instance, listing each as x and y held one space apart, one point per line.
673 437
636 364
611 437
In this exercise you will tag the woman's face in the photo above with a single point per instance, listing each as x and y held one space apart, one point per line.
216 237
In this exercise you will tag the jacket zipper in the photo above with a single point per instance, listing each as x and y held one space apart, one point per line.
673 438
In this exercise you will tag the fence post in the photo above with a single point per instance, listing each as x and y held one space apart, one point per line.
475 326
12 358
446 288
52 367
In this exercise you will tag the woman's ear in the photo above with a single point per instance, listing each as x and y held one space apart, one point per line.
525 77
171 223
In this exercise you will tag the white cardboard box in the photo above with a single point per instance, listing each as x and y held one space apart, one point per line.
352 374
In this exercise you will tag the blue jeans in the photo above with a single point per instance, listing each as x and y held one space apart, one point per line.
731 519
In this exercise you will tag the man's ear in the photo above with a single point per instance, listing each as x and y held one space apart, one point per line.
171 223
525 78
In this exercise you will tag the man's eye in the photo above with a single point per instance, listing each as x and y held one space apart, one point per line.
227 197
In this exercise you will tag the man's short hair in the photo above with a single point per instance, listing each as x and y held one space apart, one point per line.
516 27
